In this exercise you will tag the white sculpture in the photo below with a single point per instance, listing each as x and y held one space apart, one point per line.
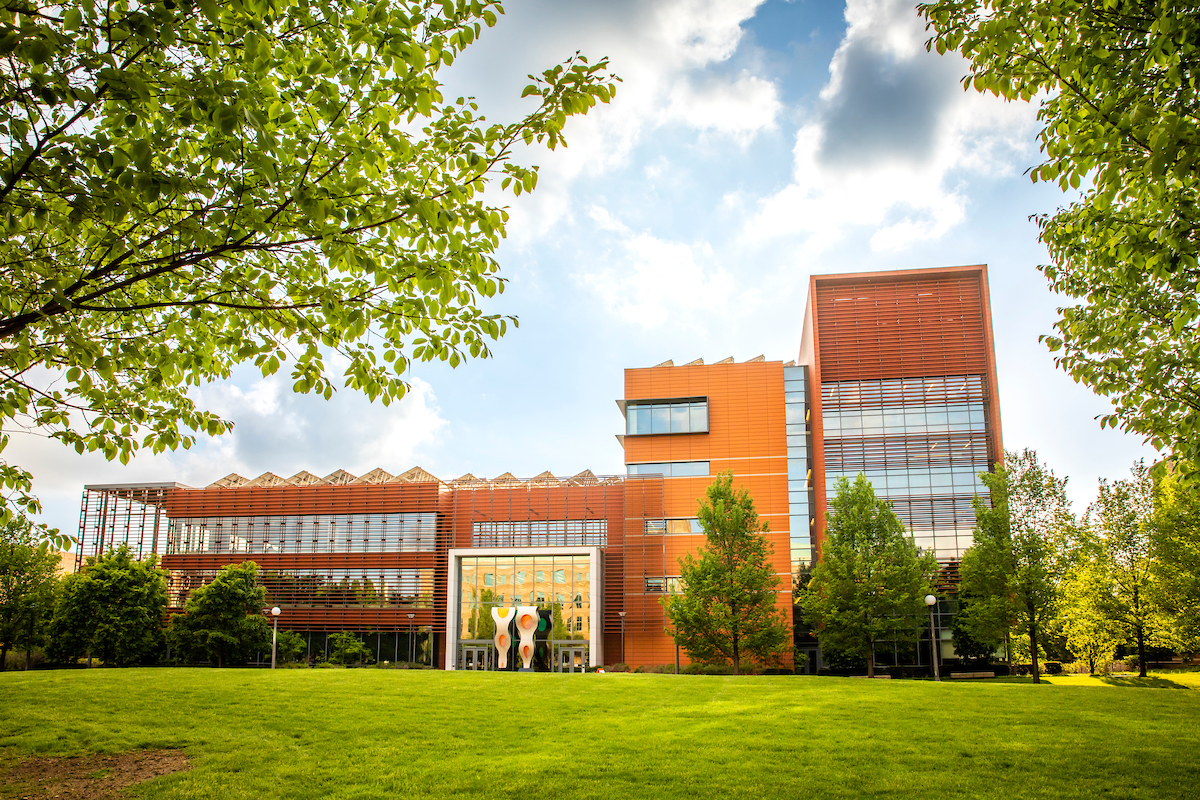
527 623
503 618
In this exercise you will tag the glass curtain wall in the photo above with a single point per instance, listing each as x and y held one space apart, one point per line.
327 588
560 584
306 533
799 466
922 443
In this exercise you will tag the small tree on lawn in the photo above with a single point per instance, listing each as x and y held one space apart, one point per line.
346 648
1121 520
1008 574
870 582
727 611
112 609
1090 633
1175 565
222 622
27 581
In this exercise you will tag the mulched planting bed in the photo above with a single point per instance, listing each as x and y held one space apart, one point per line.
90 777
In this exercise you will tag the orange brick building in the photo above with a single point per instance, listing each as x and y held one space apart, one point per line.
896 379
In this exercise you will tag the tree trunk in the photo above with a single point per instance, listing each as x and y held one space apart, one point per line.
3 657
1092 665
871 663
1141 639
1033 650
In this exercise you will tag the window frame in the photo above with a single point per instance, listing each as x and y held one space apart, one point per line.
673 405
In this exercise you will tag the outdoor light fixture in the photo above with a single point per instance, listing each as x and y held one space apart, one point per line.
411 647
621 614
275 612
931 601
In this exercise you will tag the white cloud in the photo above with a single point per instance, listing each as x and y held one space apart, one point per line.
739 109
650 281
663 51
889 148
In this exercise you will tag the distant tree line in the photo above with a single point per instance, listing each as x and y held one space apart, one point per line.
113 611
1122 579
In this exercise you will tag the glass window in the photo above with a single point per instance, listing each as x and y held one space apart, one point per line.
682 416
654 527
656 585
662 419
669 469
793 414
684 526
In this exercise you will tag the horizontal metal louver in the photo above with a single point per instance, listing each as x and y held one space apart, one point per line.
897 329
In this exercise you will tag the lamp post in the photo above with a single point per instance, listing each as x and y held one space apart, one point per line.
411 650
621 614
275 612
931 601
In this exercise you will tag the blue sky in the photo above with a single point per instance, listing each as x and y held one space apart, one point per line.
751 145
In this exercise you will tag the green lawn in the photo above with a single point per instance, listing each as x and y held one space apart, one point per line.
374 733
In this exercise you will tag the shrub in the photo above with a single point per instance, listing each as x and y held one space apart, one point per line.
1054 668
640 668
345 648
619 667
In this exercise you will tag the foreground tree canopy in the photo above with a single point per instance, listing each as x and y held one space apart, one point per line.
186 186
727 613
1117 82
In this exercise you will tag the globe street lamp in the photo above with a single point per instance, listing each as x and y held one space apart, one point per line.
275 612
931 601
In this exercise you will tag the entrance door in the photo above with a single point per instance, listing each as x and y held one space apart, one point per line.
476 658
571 659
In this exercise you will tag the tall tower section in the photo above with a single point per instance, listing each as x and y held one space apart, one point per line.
902 374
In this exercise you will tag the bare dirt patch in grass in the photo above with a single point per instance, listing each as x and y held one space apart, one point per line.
89 777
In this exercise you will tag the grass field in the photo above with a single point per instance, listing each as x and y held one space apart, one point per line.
375 733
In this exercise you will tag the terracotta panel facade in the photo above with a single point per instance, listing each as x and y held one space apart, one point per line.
896 378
